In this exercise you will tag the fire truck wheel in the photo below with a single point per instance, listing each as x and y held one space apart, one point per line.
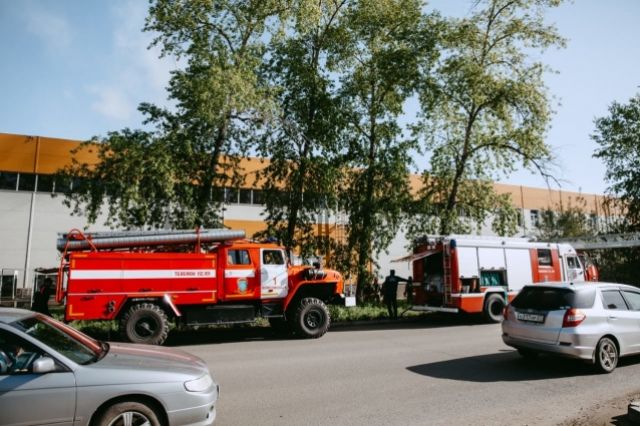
145 323
128 413
493 307
311 319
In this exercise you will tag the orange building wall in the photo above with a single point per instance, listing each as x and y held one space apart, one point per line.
18 154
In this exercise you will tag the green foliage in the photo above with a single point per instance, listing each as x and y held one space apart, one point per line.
484 112
302 141
565 222
618 136
385 43
194 150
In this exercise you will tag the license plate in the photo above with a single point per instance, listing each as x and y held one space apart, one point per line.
521 316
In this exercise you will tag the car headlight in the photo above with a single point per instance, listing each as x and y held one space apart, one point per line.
199 385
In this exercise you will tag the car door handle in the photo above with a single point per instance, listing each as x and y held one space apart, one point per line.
613 318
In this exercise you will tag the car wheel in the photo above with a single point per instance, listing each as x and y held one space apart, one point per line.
145 323
493 307
606 356
128 414
528 353
311 318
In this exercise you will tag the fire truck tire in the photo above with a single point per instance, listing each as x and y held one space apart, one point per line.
128 413
311 319
145 323
493 307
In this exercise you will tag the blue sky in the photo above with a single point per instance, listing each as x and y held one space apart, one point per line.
79 68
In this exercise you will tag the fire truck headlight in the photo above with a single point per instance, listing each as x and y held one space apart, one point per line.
199 385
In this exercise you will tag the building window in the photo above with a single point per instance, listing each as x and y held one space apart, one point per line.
45 183
26 182
535 217
231 196
8 181
245 196
258 197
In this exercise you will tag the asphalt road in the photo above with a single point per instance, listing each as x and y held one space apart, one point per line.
437 372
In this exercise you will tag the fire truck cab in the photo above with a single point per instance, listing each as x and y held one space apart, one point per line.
481 274
145 280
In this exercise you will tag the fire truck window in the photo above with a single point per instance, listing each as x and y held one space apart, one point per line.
272 257
633 299
544 257
492 278
613 300
572 263
238 257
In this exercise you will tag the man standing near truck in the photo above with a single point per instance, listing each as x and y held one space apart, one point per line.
390 292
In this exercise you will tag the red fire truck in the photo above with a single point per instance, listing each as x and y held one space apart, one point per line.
480 274
144 280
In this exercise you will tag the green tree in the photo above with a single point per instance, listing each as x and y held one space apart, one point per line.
385 44
179 168
302 142
485 111
565 222
618 137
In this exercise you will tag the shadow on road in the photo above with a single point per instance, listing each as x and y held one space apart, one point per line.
505 366
213 335
240 333
435 320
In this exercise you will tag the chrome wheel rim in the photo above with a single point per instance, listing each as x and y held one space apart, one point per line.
608 355
130 418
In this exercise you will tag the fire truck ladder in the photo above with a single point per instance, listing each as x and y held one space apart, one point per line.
446 276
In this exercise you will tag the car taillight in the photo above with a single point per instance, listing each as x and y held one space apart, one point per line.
505 312
573 317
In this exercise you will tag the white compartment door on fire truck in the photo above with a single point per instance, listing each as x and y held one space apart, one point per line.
274 275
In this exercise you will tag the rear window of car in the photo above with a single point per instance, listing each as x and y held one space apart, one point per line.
553 299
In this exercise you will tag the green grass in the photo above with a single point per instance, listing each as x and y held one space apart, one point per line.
367 312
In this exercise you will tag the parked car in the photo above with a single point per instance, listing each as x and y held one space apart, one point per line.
51 373
597 322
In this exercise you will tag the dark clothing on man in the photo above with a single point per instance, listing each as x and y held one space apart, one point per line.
41 298
390 293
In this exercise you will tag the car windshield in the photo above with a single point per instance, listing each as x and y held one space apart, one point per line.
67 341
553 299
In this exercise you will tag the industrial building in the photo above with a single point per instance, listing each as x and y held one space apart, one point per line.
32 212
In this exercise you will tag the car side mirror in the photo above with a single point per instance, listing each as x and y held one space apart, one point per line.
44 365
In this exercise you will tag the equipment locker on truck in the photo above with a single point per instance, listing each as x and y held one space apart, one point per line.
144 280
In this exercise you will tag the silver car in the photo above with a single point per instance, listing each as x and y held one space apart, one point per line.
596 322
52 374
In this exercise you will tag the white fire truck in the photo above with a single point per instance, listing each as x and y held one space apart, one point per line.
481 274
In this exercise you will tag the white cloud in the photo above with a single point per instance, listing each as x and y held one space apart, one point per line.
53 30
111 102
138 74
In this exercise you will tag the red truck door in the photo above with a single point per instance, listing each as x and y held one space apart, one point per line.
240 278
